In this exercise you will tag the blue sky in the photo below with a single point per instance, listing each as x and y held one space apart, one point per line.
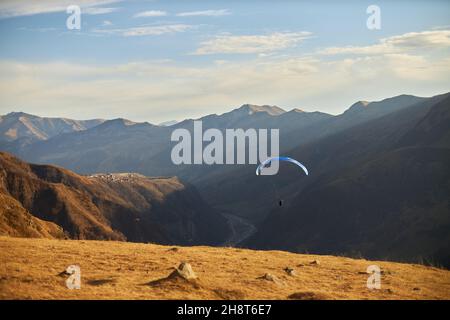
162 60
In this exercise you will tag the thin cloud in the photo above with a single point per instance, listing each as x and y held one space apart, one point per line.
245 44
14 8
40 29
98 10
409 41
148 30
151 13
205 13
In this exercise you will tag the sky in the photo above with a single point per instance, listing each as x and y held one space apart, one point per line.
170 60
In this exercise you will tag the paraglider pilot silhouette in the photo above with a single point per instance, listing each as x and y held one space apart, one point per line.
268 162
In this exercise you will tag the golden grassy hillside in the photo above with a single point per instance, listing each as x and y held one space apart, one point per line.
30 269
119 206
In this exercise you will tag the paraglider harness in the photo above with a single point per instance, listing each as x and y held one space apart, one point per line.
268 162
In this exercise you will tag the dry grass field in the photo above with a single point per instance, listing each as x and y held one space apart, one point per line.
31 269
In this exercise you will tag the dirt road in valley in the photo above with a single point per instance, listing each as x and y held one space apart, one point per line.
241 229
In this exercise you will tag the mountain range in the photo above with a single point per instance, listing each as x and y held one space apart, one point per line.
21 129
378 184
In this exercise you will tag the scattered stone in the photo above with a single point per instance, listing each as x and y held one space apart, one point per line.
290 271
268 277
271 278
315 262
174 249
185 271
416 289
301 265
182 277
389 291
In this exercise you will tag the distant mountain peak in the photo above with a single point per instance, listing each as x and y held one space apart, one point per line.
389 104
19 114
252 108
297 110
357 106
168 123
122 124
21 125
119 122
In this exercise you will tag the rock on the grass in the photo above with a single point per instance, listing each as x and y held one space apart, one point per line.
272 278
290 271
185 271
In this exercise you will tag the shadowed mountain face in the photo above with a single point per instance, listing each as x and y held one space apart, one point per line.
16 221
383 193
328 145
115 206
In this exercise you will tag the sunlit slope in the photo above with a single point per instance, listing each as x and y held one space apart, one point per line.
123 206
31 269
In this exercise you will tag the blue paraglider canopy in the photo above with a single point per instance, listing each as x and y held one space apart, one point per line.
268 162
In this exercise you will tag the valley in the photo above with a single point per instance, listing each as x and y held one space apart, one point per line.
378 184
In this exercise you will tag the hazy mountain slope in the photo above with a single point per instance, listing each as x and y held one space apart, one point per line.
18 129
260 117
358 114
16 221
383 193
114 146
433 129
245 117
121 207
365 110
121 145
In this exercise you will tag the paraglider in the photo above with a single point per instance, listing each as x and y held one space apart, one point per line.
268 162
